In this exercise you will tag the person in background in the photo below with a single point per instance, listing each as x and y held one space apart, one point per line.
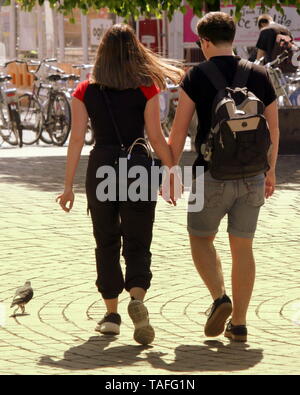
272 41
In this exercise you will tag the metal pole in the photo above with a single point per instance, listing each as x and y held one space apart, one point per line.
49 30
1 33
55 32
119 19
84 35
137 30
158 36
164 33
12 30
40 30
61 37
175 37
179 51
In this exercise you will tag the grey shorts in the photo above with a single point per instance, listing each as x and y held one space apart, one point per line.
239 199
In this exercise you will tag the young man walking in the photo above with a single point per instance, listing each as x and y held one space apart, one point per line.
239 199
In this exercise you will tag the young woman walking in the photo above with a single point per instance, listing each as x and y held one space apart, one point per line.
123 91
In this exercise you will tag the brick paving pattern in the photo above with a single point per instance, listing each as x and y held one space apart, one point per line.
55 250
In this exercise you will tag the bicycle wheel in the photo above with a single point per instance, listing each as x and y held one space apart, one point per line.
16 125
45 136
8 133
31 118
59 118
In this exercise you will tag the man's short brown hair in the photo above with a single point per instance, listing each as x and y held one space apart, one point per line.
217 27
264 19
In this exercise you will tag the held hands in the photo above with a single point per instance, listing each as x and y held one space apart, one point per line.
172 188
64 198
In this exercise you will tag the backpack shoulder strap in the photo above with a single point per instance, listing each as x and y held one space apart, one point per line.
210 69
242 73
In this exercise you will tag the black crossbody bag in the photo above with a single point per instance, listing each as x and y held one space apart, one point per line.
130 158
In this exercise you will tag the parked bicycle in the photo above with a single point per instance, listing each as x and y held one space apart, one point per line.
279 79
68 90
283 84
10 125
53 101
85 70
21 120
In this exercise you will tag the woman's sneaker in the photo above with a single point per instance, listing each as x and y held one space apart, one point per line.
237 333
143 331
110 324
220 310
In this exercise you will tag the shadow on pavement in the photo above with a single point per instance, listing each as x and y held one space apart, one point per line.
92 355
213 356
47 173
43 173
288 172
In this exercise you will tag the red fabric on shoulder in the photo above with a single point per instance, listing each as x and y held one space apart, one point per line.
80 90
150 91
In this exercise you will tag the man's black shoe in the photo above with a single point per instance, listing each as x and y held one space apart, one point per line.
237 333
217 316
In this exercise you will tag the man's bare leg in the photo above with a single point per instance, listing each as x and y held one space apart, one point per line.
209 267
243 277
208 264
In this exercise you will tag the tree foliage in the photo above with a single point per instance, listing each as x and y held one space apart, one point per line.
135 8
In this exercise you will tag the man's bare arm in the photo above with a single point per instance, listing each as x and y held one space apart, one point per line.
260 54
271 114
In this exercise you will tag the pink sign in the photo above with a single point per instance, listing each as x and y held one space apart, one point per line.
190 26
247 31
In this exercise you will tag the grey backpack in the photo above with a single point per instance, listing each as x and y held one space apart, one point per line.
239 140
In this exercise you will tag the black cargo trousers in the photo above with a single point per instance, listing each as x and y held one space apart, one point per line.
118 224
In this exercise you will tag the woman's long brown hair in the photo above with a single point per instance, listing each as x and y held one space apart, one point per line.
122 62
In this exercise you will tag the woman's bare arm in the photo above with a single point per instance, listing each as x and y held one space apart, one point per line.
271 114
154 132
78 130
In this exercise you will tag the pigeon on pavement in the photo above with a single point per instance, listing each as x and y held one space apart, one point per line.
22 297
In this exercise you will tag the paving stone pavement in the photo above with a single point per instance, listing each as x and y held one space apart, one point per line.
55 250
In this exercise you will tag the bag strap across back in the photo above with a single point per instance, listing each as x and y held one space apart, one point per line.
139 141
242 73
108 105
215 76
212 72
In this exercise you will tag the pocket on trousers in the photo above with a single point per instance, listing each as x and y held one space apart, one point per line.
256 193
213 194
